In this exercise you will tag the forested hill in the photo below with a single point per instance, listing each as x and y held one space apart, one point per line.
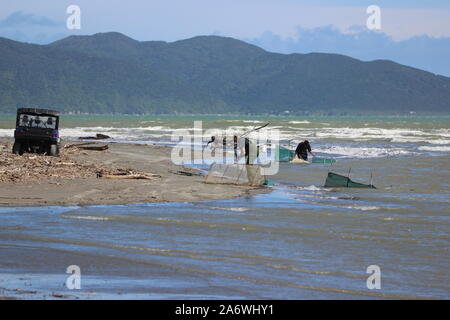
112 73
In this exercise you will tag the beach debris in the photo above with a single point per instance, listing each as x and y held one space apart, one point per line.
59 295
93 146
16 168
98 136
186 172
145 176
72 145
126 174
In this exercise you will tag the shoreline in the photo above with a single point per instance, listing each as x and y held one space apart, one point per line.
90 190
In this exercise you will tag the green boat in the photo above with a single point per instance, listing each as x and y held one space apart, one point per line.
335 180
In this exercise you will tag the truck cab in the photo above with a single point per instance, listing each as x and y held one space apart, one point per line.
37 132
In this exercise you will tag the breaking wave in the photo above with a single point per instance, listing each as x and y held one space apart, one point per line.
299 122
437 148
363 152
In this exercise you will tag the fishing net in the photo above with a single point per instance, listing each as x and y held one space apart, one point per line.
284 154
335 180
239 174
322 160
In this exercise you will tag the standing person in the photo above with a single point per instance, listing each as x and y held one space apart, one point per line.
224 149
213 138
302 150
251 154
235 147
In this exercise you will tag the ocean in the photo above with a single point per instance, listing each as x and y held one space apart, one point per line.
299 241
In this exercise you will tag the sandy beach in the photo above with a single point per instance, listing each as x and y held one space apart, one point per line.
85 188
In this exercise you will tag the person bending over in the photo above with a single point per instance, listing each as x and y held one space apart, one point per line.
302 150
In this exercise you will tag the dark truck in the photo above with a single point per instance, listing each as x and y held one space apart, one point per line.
37 131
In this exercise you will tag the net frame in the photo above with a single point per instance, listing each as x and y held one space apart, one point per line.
236 174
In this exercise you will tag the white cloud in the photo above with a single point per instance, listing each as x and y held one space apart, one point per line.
177 19
424 52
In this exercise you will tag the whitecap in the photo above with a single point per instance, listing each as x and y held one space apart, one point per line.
86 218
310 188
362 152
435 148
300 122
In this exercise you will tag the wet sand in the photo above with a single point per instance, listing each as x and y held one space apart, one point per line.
171 187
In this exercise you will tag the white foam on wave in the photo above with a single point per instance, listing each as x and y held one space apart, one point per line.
363 208
437 138
245 121
251 121
379 134
442 141
310 188
86 218
432 136
435 148
238 209
7 133
299 122
362 152
366 134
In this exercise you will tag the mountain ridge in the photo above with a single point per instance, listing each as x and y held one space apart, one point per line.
113 73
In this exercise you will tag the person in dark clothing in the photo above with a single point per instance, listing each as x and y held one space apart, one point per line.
302 150
224 149
251 151
235 147
213 138
247 150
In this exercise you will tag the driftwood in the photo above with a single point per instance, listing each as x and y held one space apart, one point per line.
98 136
87 146
65 164
145 176
67 146
15 168
126 174
186 173
94 148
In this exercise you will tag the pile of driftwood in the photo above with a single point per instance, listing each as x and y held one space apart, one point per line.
33 167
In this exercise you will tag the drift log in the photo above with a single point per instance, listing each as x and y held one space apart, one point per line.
98 136
131 176
94 148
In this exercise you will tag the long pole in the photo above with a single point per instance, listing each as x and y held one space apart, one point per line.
255 129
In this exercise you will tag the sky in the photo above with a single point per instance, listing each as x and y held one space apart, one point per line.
413 32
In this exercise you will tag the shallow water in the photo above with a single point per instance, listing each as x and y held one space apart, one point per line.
299 241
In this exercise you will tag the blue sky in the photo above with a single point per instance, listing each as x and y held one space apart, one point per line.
420 26
384 3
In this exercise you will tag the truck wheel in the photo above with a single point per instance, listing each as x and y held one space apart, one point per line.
17 148
54 150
